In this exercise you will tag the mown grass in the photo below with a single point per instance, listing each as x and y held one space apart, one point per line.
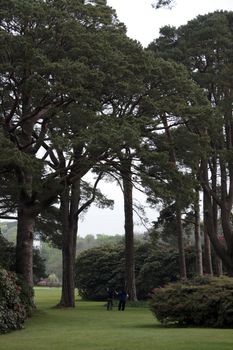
89 326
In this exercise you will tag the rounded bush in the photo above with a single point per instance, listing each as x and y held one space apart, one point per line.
12 310
203 301
97 269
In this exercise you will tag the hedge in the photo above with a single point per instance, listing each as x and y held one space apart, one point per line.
206 302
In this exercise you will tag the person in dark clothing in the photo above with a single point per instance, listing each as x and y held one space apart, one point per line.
110 297
122 295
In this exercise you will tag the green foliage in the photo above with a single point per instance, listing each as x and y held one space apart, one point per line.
97 269
26 295
102 267
7 253
12 309
53 281
39 268
201 302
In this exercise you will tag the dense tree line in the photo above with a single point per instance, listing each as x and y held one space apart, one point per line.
77 95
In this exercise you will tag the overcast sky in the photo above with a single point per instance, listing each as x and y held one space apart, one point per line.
143 23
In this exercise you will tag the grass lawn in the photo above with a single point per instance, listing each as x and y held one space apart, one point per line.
90 326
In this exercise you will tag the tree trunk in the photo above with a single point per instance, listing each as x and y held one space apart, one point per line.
207 245
223 250
213 169
179 226
198 245
208 257
69 217
219 269
180 237
129 230
24 246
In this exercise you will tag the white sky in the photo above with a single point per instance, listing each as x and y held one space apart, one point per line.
143 23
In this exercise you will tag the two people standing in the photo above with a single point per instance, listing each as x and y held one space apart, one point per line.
122 297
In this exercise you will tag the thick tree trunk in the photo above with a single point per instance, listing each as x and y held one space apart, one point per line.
180 237
25 227
69 209
129 230
198 245
24 246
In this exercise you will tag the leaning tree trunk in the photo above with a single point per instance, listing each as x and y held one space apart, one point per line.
69 217
129 230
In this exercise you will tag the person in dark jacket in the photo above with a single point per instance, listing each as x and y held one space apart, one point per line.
122 295
110 297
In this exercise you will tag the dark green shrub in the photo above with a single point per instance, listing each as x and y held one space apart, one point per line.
7 254
12 310
102 267
200 302
97 269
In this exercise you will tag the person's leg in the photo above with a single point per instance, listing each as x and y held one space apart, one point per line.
119 305
123 306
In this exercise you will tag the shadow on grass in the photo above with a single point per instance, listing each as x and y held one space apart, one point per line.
155 326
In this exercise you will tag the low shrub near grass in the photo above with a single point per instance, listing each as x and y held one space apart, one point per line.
15 299
203 301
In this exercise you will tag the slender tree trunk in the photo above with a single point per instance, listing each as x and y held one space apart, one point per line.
208 257
69 208
179 226
198 245
129 231
180 237
218 261
207 245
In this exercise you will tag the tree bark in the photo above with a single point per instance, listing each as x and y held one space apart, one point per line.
198 245
24 246
207 245
223 251
219 268
129 230
69 217
179 226
180 238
